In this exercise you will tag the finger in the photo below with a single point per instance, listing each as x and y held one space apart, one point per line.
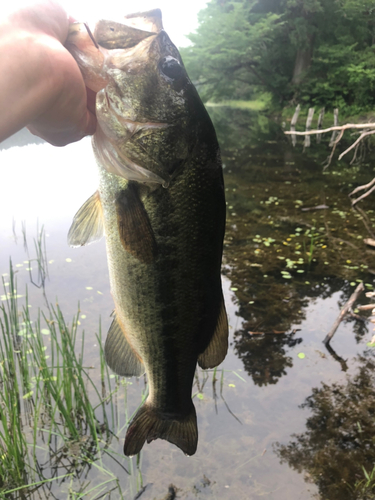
91 100
91 124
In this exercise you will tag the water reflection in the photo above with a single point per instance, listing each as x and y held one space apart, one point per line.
339 441
285 271
279 254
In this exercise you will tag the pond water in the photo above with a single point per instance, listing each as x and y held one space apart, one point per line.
282 417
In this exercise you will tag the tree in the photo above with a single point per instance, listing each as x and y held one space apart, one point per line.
318 51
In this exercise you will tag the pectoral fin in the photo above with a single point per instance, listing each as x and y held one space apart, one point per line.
87 225
119 355
136 234
217 348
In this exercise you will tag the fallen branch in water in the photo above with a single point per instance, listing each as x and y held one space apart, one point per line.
365 130
370 242
343 362
360 188
343 312
366 307
330 129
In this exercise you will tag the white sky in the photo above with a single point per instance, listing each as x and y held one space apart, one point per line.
39 172
179 18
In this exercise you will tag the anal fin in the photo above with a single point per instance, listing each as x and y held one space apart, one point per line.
217 349
87 225
136 234
119 355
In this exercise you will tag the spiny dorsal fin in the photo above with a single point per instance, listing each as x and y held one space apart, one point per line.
112 35
150 20
136 234
149 424
119 355
217 348
87 225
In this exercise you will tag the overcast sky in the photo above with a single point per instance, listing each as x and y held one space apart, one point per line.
180 18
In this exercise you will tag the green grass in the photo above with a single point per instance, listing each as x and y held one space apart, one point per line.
364 489
60 421
261 103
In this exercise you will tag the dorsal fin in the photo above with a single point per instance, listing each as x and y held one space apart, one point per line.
217 349
136 234
150 20
112 35
87 225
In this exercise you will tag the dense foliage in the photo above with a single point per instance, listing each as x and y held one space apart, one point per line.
320 52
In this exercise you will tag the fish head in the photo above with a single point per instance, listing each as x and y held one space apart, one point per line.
147 113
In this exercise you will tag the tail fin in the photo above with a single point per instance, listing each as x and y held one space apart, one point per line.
150 424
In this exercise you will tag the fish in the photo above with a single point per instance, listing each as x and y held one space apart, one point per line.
161 206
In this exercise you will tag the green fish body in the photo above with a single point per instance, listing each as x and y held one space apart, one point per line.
161 206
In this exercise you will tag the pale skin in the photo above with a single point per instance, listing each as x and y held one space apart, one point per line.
41 86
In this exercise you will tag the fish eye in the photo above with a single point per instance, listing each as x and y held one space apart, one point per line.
171 67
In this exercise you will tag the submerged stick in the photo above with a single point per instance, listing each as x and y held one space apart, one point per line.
344 310
343 362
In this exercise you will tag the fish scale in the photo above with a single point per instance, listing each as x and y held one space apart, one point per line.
161 206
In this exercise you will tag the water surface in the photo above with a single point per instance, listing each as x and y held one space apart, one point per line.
283 418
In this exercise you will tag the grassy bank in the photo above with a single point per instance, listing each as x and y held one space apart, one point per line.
61 423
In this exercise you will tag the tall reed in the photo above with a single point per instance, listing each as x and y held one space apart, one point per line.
54 420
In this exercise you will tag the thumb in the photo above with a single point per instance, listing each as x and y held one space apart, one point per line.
90 123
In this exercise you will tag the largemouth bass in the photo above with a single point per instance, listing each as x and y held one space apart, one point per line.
161 206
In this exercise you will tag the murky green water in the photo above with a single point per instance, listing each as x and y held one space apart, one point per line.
283 418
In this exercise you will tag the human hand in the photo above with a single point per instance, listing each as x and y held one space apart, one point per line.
43 85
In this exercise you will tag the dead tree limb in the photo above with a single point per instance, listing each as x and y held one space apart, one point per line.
366 307
334 144
363 196
330 129
343 312
364 134
360 188
365 128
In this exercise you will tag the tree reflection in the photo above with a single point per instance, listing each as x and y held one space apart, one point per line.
340 436
277 256
265 357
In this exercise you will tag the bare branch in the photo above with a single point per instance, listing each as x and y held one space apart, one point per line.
360 188
333 149
343 312
363 196
356 142
330 129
